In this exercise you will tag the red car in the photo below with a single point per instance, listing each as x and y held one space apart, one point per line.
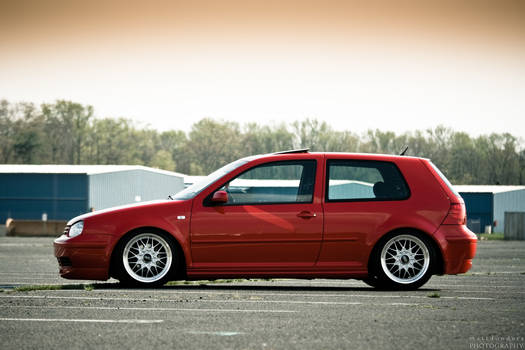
391 221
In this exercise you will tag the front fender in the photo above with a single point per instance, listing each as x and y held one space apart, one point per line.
172 217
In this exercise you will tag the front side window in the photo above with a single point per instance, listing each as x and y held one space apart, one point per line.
199 186
273 183
353 180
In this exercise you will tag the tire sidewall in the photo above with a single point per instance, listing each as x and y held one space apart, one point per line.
380 279
125 278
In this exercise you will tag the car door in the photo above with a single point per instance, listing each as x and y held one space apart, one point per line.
273 218
362 196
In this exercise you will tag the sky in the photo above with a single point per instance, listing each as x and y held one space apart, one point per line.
358 65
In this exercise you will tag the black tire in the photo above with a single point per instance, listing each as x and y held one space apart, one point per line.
146 258
402 261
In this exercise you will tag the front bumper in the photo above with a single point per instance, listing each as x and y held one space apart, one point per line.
82 259
458 246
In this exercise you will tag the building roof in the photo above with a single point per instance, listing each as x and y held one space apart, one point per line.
487 188
76 169
191 179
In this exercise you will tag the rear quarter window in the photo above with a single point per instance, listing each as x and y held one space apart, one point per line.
444 178
357 180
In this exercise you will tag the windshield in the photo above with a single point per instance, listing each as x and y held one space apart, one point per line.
199 186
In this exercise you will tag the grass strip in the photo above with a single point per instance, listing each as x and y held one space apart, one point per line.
434 295
35 287
219 281
491 236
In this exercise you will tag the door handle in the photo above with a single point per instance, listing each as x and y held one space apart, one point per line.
306 214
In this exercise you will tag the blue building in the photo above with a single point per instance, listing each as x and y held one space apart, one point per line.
60 192
486 205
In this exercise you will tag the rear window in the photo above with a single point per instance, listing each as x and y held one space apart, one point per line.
352 180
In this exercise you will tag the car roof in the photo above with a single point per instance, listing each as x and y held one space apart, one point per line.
375 156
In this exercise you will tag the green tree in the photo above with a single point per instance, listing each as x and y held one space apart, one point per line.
163 160
66 126
213 144
258 139
112 141
25 144
174 142
7 131
378 141
21 133
463 159
68 132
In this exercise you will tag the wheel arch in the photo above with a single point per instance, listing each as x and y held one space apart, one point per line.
439 266
181 259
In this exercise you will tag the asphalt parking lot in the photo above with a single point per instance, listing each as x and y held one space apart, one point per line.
483 309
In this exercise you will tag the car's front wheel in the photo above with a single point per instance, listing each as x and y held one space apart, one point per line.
402 261
145 259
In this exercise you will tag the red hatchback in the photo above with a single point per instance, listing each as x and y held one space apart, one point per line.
391 221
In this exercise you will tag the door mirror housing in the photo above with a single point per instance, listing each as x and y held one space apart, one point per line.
220 197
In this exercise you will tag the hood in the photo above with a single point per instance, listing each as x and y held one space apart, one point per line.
119 208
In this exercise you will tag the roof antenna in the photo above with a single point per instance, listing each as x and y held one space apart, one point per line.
404 151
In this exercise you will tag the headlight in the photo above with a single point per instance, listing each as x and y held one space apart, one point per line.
76 229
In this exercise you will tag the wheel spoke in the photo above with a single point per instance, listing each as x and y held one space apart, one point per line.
147 257
405 259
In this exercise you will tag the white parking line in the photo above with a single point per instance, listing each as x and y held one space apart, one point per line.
313 294
490 273
69 320
84 298
24 245
487 286
80 298
252 301
214 300
15 279
330 302
491 291
234 292
25 273
176 300
359 284
146 309
286 302
222 334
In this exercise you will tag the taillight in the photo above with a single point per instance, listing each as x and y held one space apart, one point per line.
457 215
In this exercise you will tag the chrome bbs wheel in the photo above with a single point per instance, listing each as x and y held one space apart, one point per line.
405 259
147 257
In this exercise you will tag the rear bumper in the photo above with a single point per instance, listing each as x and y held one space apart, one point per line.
82 260
458 246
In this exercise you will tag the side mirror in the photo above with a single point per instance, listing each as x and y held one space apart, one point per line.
220 197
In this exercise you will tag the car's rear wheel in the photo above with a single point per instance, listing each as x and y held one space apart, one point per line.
402 261
146 259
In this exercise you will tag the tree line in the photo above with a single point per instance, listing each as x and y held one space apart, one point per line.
66 132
